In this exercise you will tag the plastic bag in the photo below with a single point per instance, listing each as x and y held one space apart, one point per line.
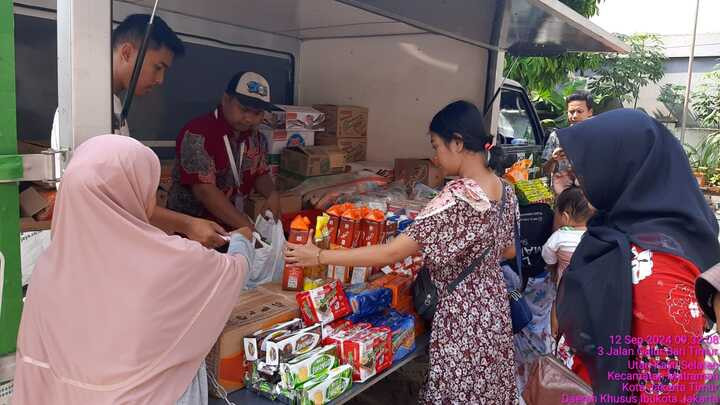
269 241
518 171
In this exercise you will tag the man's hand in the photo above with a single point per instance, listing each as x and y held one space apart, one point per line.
208 233
272 204
244 231
558 154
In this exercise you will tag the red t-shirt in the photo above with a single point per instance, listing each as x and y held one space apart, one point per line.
202 158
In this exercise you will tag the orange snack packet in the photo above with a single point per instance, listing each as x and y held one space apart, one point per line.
300 223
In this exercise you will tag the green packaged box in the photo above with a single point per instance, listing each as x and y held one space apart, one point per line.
533 191
322 390
308 366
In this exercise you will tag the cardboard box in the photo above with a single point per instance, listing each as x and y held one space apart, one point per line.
284 348
308 366
349 232
31 202
255 345
345 121
294 118
369 353
355 149
279 139
323 304
289 203
340 337
324 389
419 170
312 161
401 287
257 309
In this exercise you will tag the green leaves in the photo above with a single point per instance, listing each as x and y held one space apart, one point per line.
706 158
706 99
622 76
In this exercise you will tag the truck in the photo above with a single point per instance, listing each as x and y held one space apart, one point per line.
403 59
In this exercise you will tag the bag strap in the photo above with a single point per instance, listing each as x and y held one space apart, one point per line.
454 284
518 255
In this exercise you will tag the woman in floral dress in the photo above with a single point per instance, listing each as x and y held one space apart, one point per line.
471 221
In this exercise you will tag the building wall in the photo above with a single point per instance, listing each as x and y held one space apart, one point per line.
403 81
675 73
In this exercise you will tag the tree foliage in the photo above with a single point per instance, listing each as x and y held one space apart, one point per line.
704 99
622 76
586 8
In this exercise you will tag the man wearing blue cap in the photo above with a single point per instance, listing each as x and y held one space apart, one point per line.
222 158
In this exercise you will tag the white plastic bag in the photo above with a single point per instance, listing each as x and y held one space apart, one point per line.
269 258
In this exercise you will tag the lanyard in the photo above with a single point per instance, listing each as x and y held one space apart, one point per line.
231 157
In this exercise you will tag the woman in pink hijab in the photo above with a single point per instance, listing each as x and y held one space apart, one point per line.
118 312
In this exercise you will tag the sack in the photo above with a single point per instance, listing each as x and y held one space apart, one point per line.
520 313
550 383
269 241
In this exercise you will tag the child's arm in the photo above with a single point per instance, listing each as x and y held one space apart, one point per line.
550 249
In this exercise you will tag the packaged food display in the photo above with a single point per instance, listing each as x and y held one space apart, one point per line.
372 228
340 273
349 230
285 347
366 299
311 365
403 332
293 276
369 353
335 213
333 328
323 304
533 191
340 337
256 344
311 283
322 390
391 228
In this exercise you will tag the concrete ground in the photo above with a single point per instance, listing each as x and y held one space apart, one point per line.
400 387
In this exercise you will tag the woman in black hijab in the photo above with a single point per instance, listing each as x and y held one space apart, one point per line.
626 304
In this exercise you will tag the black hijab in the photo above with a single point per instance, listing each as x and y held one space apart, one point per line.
635 172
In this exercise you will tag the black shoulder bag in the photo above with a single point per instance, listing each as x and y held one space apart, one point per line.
425 293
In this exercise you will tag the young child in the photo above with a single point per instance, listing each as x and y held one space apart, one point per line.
572 211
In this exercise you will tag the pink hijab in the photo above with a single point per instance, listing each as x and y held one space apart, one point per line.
118 312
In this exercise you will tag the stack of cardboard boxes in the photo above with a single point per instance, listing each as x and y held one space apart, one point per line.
345 128
256 309
292 126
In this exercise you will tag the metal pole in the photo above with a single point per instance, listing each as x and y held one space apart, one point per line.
10 273
690 70
138 67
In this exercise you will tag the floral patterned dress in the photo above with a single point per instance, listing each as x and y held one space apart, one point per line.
471 343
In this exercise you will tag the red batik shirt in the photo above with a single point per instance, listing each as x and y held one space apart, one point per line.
202 158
